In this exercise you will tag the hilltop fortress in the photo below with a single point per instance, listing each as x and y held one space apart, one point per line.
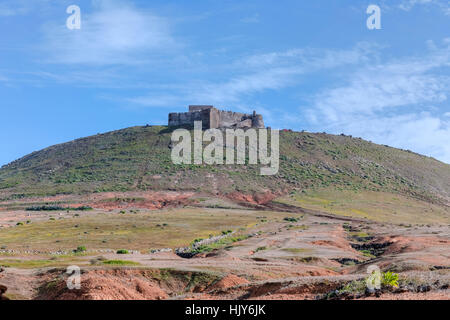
213 118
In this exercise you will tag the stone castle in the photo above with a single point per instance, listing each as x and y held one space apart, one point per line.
213 118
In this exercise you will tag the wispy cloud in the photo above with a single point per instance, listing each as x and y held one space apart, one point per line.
258 73
114 33
311 58
407 5
277 70
392 103
9 9
156 100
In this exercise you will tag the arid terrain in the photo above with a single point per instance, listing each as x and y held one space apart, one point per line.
270 250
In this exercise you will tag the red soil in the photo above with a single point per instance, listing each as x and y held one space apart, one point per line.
402 244
252 198
147 200
228 281
109 285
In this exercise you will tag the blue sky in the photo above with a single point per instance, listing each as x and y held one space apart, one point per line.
305 65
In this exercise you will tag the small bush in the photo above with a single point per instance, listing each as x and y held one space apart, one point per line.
82 208
389 279
122 251
80 249
120 263
368 254
45 208
57 208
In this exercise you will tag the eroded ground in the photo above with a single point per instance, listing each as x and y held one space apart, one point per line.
269 250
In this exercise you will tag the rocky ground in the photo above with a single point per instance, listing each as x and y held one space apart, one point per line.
302 255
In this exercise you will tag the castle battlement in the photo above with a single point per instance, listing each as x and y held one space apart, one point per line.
214 118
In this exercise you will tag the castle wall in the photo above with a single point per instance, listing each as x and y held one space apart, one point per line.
188 118
214 118
229 118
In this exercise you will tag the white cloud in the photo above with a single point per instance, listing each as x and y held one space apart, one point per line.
257 73
277 70
156 100
369 92
115 33
420 132
409 4
386 104
311 58
444 5
235 89
12 9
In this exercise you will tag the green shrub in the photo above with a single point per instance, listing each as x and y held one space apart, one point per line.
368 254
355 286
57 208
122 251
219 244
80 249
389 279
120 263
82 208
45 208
197 240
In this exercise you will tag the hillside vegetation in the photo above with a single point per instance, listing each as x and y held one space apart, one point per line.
138 158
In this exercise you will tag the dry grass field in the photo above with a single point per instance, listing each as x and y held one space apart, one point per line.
376 206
